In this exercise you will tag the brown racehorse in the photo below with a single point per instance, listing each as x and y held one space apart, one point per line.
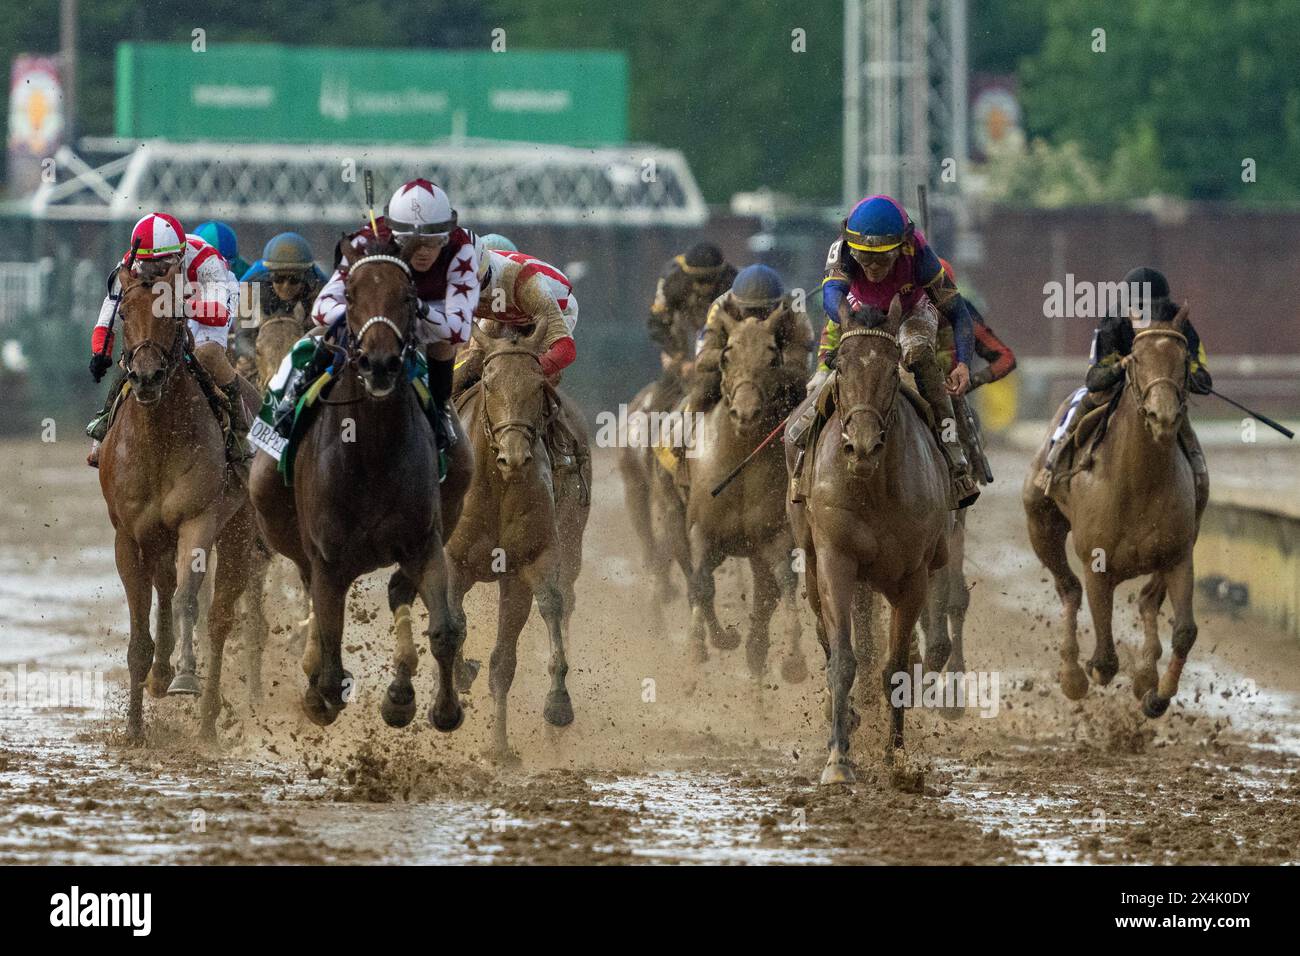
366 495
524 520
1134 512
747 519
877 515
171 497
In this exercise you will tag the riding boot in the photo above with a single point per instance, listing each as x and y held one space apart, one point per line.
99 425
237 447
800 431
929 382
1047 474
282 417
441 374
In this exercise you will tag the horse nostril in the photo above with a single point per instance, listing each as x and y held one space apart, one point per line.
848 448
363 362
393 364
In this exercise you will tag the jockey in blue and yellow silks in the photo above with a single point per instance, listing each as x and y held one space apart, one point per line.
881 254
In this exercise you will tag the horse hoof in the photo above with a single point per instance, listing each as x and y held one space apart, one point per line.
726 638
1074 683
466 674
208 733
398 706
794 670
319 711
444 724
1153 705
1103 672
159 679
505 758
838 772
558 711
185 684
1144 682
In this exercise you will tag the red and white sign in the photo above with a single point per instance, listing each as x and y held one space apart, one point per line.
35 106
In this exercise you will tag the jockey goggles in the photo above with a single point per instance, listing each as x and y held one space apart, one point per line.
861 243
422 230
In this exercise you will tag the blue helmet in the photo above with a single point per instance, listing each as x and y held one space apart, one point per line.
757 287
498 242
221 237
877 224
287 252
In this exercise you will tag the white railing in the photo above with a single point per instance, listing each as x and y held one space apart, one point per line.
22 287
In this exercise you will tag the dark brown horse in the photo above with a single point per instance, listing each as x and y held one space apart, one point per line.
524 518
876 517
171 498
1136 511
366 495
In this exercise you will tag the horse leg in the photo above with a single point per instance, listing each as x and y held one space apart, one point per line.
446 635
161 672
323 699
133 571
1180 580
934 622
398 706
766 595
1149 602
1104 663
1047 532
865 603
514 603
794 668
901 623
193 553
705 558
636 497
958 597
835 581
540 577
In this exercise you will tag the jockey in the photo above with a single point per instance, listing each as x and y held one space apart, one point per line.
682 300
518 289
210 298
286 276
222 238
1112 341
756 292
420 226
881 254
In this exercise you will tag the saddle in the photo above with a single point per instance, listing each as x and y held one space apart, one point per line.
1086 436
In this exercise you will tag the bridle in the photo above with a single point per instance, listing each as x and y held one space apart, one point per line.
171 357
355 350
731 385
886 418
495 432
1180 387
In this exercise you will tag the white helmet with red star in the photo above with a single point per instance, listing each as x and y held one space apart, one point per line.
420 208
160 236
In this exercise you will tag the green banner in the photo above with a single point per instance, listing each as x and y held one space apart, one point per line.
252 93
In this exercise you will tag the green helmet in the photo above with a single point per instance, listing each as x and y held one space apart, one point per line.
287 252
498 243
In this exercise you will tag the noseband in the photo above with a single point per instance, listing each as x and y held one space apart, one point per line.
170 357
495 432
1180 387
379 319
886 417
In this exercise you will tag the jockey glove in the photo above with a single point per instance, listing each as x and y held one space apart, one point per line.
99 364
1201 383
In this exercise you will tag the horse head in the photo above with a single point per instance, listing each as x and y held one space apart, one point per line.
153 330
754 382
1158 368
516 400
275 337
866 382
381 310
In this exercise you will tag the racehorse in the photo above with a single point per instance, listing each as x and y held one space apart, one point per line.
746 519
524 517
1136 511
366 495
876 515
172 498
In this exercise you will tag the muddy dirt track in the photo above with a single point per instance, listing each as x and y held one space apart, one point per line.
667 761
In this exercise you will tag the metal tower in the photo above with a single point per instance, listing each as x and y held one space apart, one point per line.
905 98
